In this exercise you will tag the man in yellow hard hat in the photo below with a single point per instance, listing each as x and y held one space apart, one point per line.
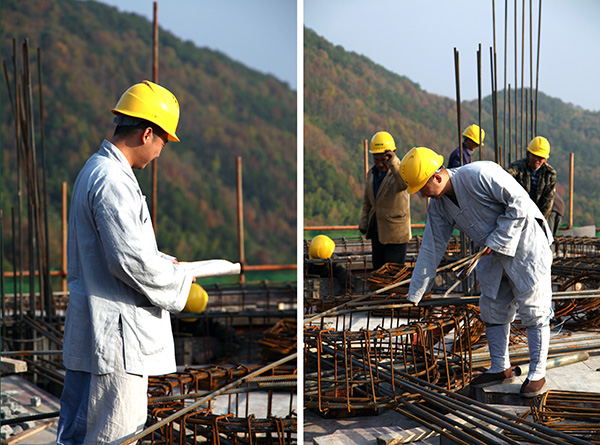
122 288
471 137
486 203
385 216
536 176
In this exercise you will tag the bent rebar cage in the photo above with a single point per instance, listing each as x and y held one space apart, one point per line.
343 367
259 411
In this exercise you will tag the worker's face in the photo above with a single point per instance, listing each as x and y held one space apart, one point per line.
433 188
153 143
470 144
380 162
535 161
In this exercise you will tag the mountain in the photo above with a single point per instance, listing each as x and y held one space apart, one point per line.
91 53
348 97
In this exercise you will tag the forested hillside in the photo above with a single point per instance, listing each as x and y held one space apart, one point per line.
347 98
90 54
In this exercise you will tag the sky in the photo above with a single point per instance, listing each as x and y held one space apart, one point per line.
413 38
416 39
261 34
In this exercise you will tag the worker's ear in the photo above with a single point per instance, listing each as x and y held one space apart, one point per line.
147 135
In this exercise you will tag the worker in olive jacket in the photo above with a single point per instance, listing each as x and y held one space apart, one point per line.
536 176
385 217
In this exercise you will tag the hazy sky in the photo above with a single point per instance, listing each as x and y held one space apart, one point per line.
259 33
417 39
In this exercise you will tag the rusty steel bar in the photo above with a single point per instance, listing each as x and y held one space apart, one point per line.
537 68
240 217
154 173
458 112
366 161
64 227
571 173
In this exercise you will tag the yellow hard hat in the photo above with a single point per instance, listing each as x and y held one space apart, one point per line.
152 102
539 146
472 132
382 141
321 247
418 165
196 302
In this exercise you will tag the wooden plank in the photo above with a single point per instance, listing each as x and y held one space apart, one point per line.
12 366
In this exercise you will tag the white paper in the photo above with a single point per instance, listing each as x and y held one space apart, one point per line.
211 268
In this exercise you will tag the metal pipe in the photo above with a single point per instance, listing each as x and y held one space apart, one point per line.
523 121
555 362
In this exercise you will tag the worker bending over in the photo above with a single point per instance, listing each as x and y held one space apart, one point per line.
486 203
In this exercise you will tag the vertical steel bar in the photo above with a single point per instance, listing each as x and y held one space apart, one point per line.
240 212
2 292
458 120
531 67
155 80
571 173
366 163
479 98
523 124
64 236
14 250
509 130
517 154
504 144
537 69
48 285
20 159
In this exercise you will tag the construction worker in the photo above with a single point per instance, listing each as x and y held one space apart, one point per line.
122 288
486 203
536 176
385 217
469 145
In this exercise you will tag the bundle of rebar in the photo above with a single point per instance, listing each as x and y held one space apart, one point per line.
279 340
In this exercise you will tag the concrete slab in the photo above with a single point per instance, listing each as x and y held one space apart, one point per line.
35 401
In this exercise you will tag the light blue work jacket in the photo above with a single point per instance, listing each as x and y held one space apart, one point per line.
115 271
494 211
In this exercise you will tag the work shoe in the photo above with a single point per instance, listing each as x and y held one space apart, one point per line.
532 389
493 378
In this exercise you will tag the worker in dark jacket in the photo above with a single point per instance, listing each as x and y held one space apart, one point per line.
470 143
536 176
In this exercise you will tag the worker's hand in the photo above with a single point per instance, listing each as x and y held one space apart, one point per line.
416 303
389 154
487 251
